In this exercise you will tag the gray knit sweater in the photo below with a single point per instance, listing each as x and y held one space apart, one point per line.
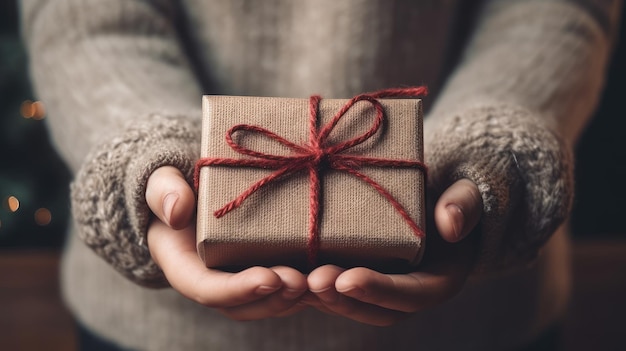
122 80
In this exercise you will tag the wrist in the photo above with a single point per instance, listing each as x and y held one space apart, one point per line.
522 169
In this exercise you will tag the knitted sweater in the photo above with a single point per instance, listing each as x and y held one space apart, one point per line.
122 81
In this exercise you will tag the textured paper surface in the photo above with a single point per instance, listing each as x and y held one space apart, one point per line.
359 227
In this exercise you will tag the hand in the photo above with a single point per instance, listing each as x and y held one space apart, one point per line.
254 293
380 299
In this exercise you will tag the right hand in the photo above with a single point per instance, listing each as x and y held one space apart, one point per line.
379 299
254 293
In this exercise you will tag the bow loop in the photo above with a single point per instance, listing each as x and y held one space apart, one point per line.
342 146
252 129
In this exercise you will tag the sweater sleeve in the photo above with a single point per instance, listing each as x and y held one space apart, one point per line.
510 113
122 101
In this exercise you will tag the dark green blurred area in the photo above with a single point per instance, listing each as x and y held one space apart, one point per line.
32 172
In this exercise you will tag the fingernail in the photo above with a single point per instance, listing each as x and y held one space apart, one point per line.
457 218
266 289
318 291
354 292
168 206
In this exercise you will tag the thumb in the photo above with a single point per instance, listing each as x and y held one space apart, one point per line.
170 197
458 210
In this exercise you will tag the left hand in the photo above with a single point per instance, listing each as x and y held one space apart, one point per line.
254 293
380 299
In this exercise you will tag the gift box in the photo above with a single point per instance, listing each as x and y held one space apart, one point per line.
305 182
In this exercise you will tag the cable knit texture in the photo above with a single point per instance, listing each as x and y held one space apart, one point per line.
122 81
526 184
108 196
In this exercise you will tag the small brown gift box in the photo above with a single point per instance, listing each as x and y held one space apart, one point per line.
358 226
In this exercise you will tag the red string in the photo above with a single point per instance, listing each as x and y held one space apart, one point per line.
314 155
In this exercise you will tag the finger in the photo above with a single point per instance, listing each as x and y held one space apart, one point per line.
322 283
458 210
294 286
307 300
175 252
298 307
310 299
320 307
364 312
400 292
269 307
170 197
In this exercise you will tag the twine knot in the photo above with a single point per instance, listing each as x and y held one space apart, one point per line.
320 158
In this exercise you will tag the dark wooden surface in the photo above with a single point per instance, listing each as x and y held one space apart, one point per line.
32 316
597 315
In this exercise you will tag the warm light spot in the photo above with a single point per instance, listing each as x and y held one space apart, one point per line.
26 109
35 110
13 203
39 110
43 216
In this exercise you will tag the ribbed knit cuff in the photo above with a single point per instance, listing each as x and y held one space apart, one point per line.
523 170
108 195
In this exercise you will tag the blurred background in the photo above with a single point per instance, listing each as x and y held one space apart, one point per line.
33 180
34 213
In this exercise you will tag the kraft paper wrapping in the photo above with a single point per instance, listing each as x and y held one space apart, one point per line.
359 227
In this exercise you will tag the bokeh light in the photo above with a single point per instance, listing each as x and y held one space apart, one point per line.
26 109
13 203
35 110
43 216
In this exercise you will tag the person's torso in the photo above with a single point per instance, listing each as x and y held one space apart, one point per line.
335 48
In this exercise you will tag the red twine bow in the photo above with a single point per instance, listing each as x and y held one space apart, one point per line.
315 155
